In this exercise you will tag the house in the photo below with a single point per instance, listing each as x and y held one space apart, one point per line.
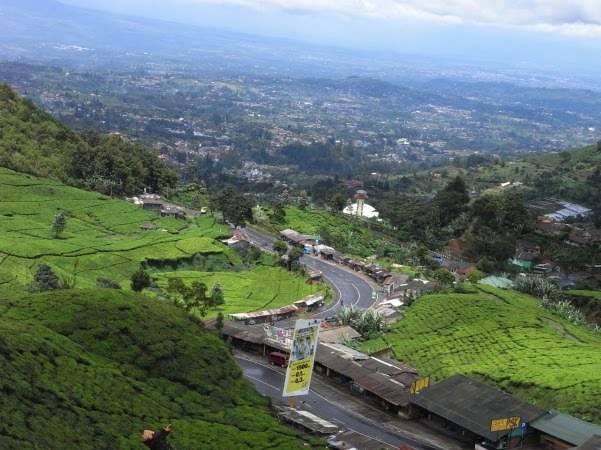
561 431
460 268
315 276
389 313
151 202
525 253
475 407
310 302
175 212
393 280
148 226
238 241
412 289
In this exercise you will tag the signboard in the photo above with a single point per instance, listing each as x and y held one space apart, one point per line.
418 385
282 336
302 356
505 424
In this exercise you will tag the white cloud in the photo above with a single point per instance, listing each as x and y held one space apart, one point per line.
570 17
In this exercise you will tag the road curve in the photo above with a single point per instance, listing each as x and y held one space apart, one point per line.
349 288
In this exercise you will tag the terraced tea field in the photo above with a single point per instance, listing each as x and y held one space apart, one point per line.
262 288
504 338
103 239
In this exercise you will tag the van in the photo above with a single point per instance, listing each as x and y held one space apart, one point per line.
277 358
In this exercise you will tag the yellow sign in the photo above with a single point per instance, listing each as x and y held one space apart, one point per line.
302 357
505 424
418 385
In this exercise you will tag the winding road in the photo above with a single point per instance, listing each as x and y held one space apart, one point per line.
270 382
349 288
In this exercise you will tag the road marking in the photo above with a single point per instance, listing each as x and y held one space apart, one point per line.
343 409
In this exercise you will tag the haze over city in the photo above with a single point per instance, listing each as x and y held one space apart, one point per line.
553 33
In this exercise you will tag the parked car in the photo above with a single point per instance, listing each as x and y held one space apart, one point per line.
279 359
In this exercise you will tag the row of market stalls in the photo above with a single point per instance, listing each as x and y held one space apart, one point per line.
489 417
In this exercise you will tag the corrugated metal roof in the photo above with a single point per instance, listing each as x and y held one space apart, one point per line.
386 388
267 312
593 443
565 427
473 405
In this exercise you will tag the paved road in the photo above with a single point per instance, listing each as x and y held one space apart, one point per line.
270 382
349 288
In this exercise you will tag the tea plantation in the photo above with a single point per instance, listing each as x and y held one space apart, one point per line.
91 369
103 239
502 337
259 289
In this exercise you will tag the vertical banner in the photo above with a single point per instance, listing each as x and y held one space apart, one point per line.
302 356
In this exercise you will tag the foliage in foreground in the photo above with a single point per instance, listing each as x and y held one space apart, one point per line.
504 338
92 369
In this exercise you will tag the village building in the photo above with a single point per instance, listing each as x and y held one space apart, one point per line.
310 302
175 212
151 202
239 240
473 406
393 280
525 253
270 315
148 226
559 431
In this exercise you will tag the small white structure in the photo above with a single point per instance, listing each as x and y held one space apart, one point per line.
361 208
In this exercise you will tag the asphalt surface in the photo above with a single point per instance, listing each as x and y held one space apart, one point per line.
269 381
349 288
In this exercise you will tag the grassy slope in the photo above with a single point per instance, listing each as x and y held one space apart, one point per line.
586 294
102 237
263 288
92 369
561 173
503 337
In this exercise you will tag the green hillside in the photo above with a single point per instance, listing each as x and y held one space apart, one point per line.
502 337
92 369
102 237
262 288
32 141
573 174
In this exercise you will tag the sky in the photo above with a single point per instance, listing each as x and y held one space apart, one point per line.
550 32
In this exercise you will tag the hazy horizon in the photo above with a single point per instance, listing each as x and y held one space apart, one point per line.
548 34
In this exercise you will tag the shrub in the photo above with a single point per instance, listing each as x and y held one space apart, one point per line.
107 283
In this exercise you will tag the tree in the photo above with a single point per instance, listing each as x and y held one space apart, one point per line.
280 247
444 277
60 222
140 280
219 322
216 295
475 276
236 208
293 258
196 298
452 201
337 202
44 279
